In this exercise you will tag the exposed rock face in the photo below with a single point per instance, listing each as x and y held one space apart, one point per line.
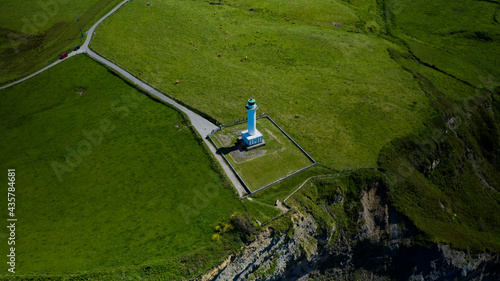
270 255
375 215
255 255
380 251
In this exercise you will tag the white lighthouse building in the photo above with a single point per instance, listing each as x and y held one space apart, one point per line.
252 137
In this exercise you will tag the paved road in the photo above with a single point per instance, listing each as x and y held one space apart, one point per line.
83 48
202 125
36 73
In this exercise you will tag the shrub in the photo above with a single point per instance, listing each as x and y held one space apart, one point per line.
243 224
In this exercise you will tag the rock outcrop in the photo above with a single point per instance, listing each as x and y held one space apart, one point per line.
383 249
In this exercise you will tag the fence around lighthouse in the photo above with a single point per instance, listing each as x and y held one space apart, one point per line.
245 120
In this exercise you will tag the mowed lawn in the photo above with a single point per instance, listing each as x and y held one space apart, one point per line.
337 93
135 187
278 158
33 33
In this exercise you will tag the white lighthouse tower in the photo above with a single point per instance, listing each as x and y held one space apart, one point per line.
252 137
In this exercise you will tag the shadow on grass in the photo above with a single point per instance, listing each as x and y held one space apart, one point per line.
226 150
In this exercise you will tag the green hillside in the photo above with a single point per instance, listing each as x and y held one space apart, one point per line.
107 179
112 184
34 33
353 82
336 92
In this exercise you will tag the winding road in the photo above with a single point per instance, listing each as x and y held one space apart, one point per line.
202 125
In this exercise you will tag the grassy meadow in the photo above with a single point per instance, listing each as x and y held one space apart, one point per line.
461 38
279 157
446 178
283 189
336 92
347 80
34 33
108 180
111 184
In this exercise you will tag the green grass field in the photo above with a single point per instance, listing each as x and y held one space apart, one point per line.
281 190
450 202
279 157
34 33
461 37
454 47
336 92
143 200
137 189
343 93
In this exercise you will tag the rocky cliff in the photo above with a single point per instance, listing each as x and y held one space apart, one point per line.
385 247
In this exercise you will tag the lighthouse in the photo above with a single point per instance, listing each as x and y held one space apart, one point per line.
252 138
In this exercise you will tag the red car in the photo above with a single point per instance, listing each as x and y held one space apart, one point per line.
63 55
